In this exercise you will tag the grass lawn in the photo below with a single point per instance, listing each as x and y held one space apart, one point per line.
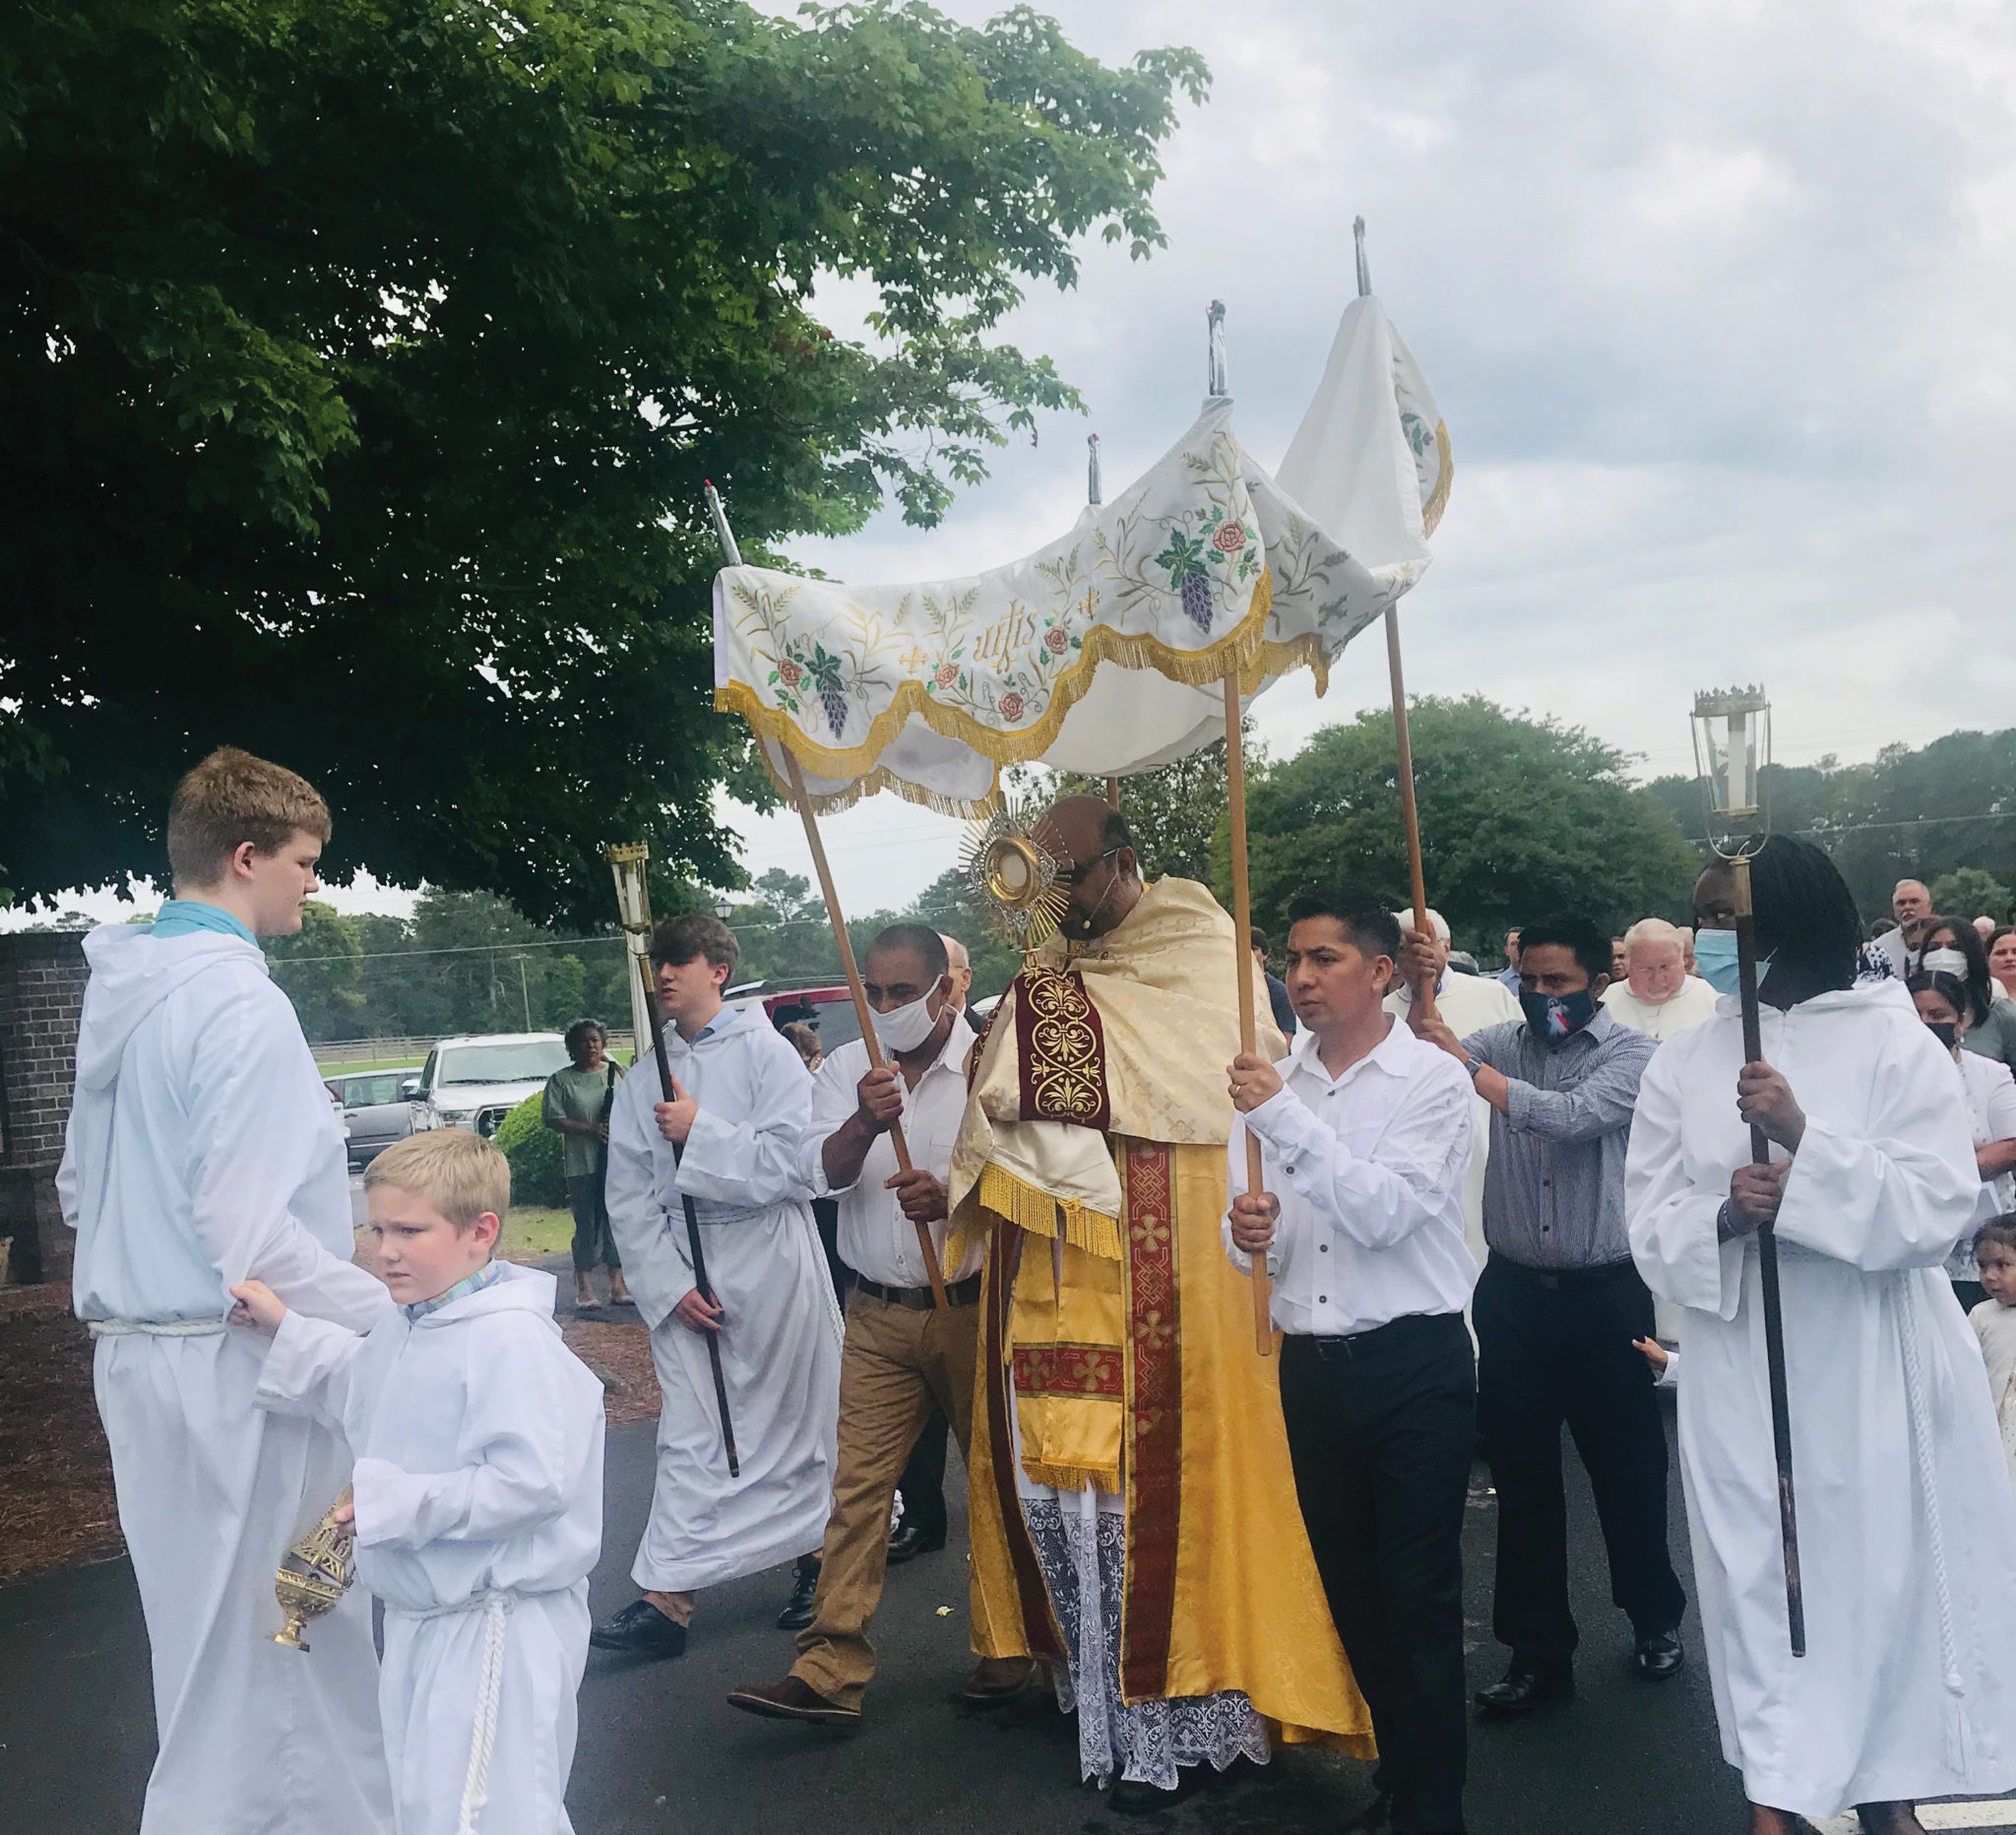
349 1069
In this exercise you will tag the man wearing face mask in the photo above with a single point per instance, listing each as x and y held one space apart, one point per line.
903 1355
1555 1311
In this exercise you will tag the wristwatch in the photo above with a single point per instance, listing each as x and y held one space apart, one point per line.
1472 1065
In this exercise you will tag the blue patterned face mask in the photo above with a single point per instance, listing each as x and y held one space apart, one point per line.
1715 959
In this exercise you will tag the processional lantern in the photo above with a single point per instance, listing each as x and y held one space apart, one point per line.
633 910
1732 748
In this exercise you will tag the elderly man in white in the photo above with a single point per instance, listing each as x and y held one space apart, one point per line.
1658 997
1469 1003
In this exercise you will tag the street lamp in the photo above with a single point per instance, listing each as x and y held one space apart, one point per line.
723 908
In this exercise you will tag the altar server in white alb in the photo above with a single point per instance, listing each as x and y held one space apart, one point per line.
1906 1520
478 1510
203 1151
731 1141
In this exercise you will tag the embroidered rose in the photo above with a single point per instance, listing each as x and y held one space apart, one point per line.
1011 706
789 673
948 673
1230 538
1056 641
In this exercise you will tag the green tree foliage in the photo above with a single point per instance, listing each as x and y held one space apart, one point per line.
538 1172
1517 817
362 361
1968 892
1912 813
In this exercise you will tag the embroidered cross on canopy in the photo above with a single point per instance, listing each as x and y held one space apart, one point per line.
1205 566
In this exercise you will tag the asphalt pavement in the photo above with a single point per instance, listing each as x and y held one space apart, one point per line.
660 1750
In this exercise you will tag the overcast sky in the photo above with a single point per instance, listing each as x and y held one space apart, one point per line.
1715 299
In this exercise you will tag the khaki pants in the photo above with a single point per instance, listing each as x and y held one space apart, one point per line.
896 1366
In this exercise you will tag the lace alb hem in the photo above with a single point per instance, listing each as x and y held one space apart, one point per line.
1083 1555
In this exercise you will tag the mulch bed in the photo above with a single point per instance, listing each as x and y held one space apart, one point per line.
56 1503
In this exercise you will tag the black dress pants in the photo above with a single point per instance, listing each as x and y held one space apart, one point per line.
1380 1429
1555 1348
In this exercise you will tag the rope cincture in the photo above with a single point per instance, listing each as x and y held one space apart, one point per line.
495 1605
155 1328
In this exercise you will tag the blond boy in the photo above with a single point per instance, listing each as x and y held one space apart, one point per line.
201 1151
478 1490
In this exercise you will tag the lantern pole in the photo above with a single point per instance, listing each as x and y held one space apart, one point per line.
1742 800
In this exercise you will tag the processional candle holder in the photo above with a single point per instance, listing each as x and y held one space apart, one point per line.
314 1575
1732 748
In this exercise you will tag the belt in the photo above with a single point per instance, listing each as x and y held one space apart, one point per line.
920 1299
1557 1278
155 1328
1350 1344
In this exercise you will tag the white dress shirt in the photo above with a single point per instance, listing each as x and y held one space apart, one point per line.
875 1238
1368 1168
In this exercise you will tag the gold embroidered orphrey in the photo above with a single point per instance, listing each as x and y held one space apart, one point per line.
1063 1058
314 1575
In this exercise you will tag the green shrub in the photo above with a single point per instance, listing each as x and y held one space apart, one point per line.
534 1150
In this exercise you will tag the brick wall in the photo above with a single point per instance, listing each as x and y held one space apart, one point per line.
42 991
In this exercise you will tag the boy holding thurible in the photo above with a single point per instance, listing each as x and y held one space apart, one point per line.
478 1480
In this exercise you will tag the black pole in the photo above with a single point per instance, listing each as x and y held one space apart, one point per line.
700 1283
1767 1268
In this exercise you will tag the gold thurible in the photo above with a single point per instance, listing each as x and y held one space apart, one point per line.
314 1575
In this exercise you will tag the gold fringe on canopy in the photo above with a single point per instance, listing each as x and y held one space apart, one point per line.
1246 648
1043 1214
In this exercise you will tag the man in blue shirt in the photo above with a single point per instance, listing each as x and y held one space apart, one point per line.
1557 1309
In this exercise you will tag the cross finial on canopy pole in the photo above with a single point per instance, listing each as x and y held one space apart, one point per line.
1215 382
1357 235
1091 490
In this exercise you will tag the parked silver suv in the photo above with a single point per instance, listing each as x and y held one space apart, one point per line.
476 1082
374 1112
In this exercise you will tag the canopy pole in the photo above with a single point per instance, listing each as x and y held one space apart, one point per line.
1425 995
1112 793
862 1012
1358 236
1242 952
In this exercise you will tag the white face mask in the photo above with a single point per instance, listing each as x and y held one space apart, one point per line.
1944 961
907 1027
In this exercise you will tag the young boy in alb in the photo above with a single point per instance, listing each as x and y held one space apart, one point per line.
479 1490
202 1152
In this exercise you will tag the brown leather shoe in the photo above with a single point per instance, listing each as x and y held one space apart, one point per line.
994 1680
792 1699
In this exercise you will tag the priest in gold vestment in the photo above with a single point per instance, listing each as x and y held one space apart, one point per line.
1133 1511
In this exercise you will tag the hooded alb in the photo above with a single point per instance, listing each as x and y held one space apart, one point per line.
201 1145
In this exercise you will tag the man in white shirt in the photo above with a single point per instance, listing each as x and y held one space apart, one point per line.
1469 1003
1366 1133
903 1355
1657 997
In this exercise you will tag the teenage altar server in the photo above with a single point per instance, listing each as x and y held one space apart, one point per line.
478 1490
1906 1521
203 1151
730 1140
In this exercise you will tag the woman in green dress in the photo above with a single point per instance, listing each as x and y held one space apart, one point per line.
577 1108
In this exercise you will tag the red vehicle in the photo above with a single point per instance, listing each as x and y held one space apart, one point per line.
828 1008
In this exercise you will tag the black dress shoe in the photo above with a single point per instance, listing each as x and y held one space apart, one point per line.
1129 1797
1659 1657
641 1630
797 1609
909 1542
1522 1691
1375 1818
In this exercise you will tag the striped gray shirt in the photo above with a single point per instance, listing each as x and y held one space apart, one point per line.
1554 1183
